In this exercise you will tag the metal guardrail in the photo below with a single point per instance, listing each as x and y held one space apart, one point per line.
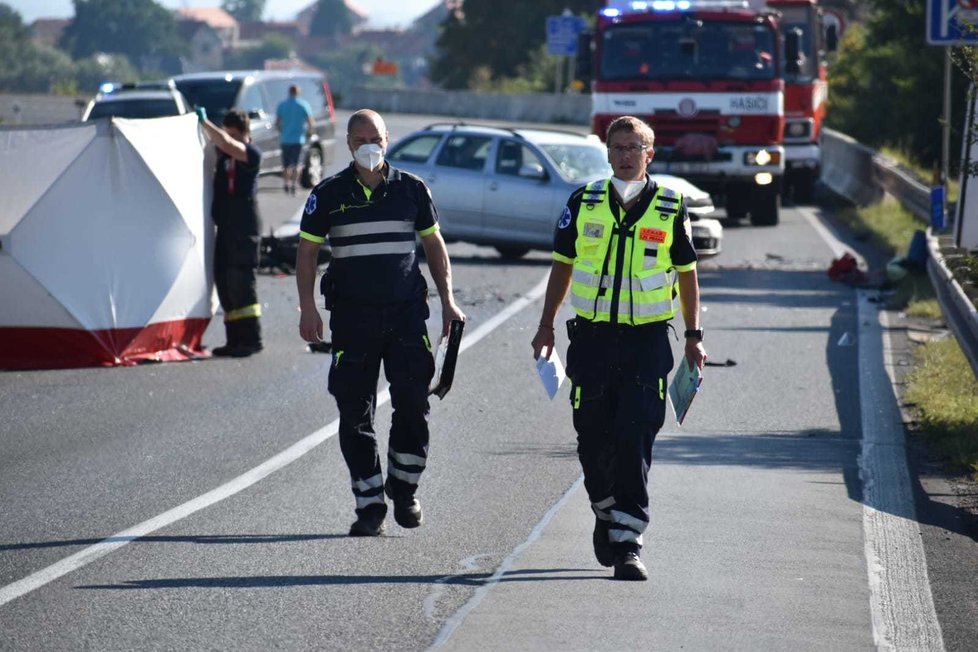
848 169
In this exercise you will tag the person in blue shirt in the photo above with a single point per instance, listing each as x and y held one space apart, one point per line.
293 119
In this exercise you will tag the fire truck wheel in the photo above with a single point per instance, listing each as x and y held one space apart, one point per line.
766 205
803 185
738 201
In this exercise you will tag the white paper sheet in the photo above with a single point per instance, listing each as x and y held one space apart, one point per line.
551 373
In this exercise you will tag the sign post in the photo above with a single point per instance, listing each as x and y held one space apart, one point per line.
950 23
562 34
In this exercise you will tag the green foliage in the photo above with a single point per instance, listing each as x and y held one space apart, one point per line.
91 71
490 40
331 18
943 391
273 46
28 67
345 67
244 10
886 85
134 28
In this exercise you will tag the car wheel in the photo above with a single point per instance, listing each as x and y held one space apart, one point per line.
312 170
513 252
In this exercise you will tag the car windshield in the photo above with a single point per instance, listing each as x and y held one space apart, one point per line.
688 50
216 96
134 109
581 162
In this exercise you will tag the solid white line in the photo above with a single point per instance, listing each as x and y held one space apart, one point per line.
292 453
900 597
456 619
901 603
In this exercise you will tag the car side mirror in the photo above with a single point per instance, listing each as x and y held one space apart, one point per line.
256 114
792 51
831 38
533 171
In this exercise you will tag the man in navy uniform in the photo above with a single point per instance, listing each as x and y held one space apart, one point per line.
372 213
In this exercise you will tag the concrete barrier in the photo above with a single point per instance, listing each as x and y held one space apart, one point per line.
847 169
522 107
36 109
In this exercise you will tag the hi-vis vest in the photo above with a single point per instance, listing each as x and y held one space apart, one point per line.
649 282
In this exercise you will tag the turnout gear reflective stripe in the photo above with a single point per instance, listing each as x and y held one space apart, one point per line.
649 283
369 491
371 228
404 466
374 248
254 310
626 528
600 508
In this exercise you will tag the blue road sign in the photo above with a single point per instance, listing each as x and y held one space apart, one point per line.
952 22
937 207
562 34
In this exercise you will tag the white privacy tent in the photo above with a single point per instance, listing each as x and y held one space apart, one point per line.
105 243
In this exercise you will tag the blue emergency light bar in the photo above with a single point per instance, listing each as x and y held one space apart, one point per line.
616 9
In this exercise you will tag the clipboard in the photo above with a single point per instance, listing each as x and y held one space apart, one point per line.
445 358
683 388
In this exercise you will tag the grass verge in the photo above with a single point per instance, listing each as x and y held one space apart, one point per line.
943 390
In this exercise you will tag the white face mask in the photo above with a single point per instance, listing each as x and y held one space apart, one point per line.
628 190
369 155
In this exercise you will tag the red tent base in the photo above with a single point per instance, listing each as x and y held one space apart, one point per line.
66 348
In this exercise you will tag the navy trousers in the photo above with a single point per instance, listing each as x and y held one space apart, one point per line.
618 393
363 338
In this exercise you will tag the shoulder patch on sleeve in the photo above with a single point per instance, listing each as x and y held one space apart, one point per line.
565 218
311 204
688 228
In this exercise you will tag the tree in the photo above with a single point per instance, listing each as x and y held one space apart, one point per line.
332 18
134 28
28 67
244 10
886 85
273 46
500 36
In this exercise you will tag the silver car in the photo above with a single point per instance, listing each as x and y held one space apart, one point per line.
506 187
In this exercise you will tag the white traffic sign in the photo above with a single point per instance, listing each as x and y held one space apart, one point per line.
562 34
952 22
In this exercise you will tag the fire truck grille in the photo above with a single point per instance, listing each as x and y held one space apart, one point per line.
670 126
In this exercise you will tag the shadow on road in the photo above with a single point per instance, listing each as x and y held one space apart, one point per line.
280 581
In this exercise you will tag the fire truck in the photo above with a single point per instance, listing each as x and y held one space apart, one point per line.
723 85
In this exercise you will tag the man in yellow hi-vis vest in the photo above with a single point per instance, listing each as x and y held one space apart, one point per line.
623 248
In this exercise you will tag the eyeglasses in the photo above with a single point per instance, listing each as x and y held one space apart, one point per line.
618 150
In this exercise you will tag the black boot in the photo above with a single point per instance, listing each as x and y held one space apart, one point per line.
231 331
249 337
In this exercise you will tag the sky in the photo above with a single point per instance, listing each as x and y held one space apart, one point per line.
383 13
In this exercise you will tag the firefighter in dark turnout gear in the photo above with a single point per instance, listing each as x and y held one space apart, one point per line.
377 299
235 213
623 248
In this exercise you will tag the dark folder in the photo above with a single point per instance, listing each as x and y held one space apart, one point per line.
445 359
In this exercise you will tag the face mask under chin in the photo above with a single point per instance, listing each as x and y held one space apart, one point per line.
628 190
369 155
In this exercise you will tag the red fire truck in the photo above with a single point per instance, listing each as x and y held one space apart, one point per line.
710 76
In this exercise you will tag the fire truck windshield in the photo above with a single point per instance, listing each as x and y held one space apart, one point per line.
688 50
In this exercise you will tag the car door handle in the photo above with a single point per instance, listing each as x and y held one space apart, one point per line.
493 185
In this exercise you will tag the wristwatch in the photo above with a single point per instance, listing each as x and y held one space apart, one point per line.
695 332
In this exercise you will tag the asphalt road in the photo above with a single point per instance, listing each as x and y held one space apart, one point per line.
205 504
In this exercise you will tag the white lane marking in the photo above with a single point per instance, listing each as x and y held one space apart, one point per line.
900 597
901 603
829 235
469 565
456 619
292 453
